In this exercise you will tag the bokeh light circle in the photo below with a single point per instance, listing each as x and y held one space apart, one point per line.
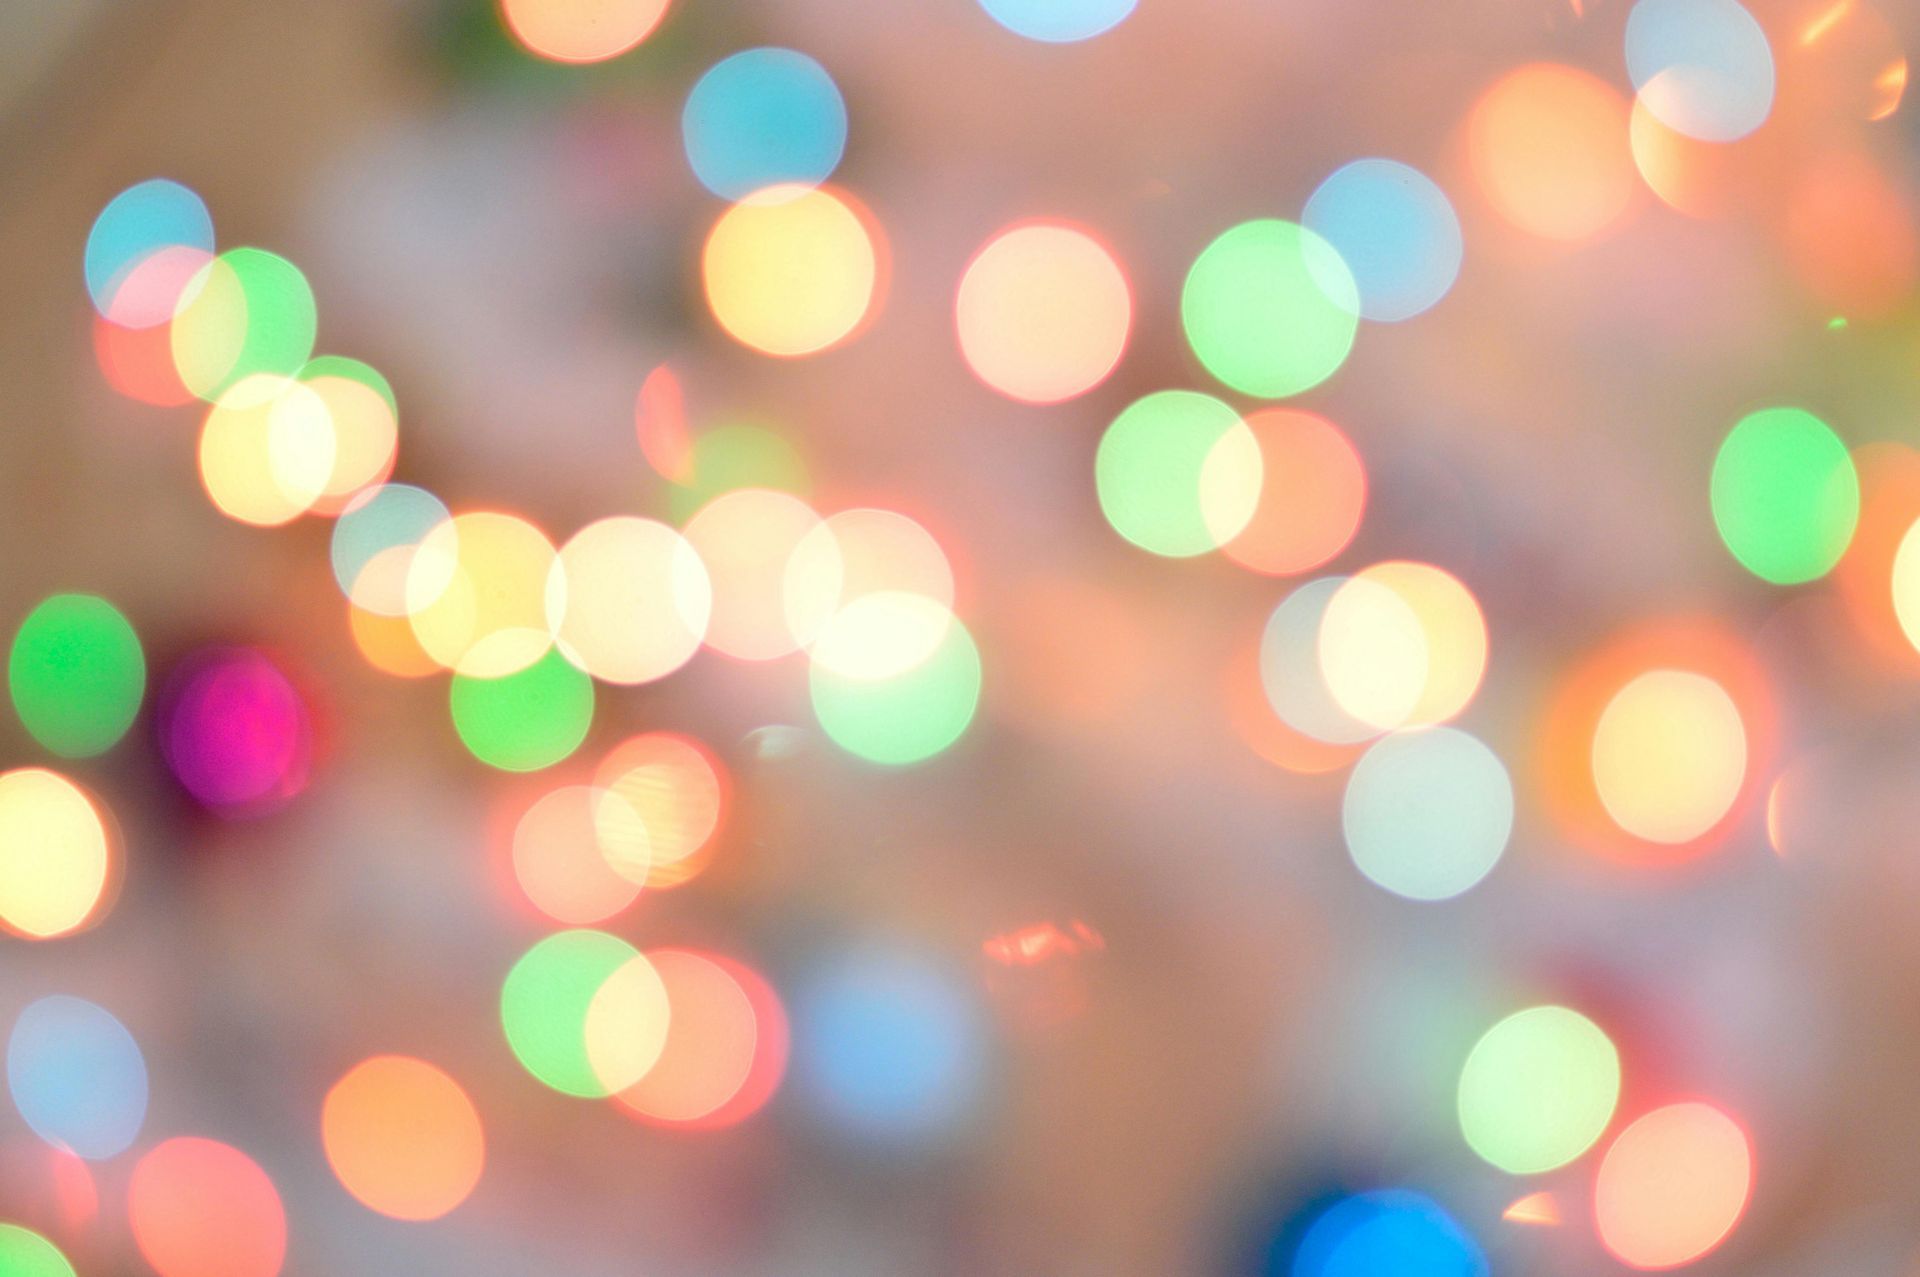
373 544
1389 1233
267 450
1058 21
726 1044
889 1047
1538 1089
581 30
480 588
526 720
763 117
1313 488
628 600
791 270
246 312
545 1001
1673 1186
364 424
402 1137
747 539
564 866
200 1208
906 718
1785 495
235 731
77 1076
146 219
858 552
76 674
1669 755
1270 308
1693 730
56 854
1906 584
1703 67
1394 229
25 1253
672 796
1290 671
1043 312
1427 814
1549 147
625 1029
1177 473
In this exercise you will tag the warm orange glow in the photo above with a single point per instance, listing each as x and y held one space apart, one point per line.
1548 145
1041 941
1673 1186
678 791
200 1208
726 1044
1889 505
388 644
1849 236
581 30
1564 761
402 1137
1541 1209
1669 755
1313 488
660 422
561 864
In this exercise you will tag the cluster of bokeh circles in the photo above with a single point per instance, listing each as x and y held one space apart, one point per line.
1650 750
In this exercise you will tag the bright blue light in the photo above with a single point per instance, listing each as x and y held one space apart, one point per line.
77 1076
763 117
137 223
1395 231
1703 67
1058 21
1393 1233
888 1047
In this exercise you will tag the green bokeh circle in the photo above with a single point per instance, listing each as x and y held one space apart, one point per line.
1785 495
526 720
909 717
1270 308
76 674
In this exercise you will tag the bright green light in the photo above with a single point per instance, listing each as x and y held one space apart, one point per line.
1270 308
76 674
544 1002
247 311
25 1253
909 717
1150 466
526 720
1785 495
1538 1089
